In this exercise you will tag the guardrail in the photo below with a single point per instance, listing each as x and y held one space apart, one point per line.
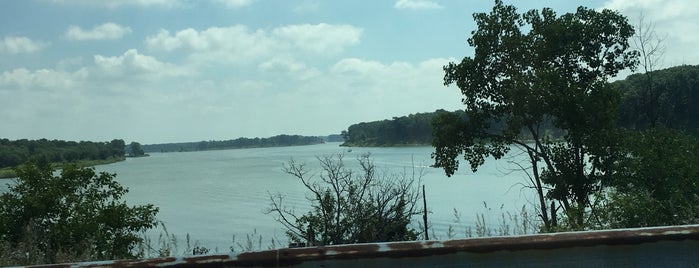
673 246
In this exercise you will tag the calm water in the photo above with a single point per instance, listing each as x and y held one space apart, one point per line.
216 195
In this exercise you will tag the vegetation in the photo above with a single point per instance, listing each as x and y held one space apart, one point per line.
533 67
15 153
657 184
75 216
275 141
675 95
350 206
415 129
135 150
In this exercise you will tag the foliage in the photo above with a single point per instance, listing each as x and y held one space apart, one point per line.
414 129
508 223
516 80
658 184
15 153
676 93
275 141
135 149
78 212
350 206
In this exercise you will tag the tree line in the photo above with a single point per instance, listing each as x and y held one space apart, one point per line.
676 89
16 152
239 143
414 129
672 102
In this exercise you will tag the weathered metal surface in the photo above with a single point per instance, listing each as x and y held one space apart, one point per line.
675 246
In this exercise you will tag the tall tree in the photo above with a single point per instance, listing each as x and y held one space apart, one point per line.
651 49
136 149
533 68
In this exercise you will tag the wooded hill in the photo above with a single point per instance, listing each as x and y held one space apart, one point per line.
674 103
672 100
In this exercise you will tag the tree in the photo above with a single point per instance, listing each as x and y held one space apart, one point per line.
518 81
136 149
78 213
349 206
651 49
658 183
117 148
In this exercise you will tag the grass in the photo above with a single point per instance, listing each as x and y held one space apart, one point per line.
168 245
9 172
507 224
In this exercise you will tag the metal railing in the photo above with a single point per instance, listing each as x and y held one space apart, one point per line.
673 246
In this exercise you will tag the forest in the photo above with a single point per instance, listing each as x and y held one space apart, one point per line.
16 152
671 102
676 90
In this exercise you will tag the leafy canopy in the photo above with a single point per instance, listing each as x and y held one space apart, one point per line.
79 212
529 70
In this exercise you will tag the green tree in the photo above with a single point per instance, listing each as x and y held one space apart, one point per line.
658 183
46 217
136 149
530 69
673 104
350 206
116 147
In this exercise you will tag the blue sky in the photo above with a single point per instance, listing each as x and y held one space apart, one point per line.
168 71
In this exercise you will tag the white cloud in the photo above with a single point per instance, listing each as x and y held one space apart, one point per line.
676 19
43 78
124 67
374 90
227 44
417 4
107 31
290 66
121 3
238 44
20 45
235 4
319 38
131 63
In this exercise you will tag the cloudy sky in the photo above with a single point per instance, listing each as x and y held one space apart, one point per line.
170 71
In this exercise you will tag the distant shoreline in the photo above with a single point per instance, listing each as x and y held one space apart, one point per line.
385 145
9 172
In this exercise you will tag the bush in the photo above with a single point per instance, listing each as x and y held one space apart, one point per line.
76 216
350 207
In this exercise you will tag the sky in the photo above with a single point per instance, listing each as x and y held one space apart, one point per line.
157 71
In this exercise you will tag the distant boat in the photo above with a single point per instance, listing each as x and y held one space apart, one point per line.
349 150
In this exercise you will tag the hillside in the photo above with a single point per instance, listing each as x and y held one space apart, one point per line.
675 105
672 99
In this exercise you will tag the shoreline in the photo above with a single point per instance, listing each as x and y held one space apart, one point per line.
9 172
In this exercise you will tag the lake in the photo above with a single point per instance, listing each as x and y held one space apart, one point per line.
215 196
